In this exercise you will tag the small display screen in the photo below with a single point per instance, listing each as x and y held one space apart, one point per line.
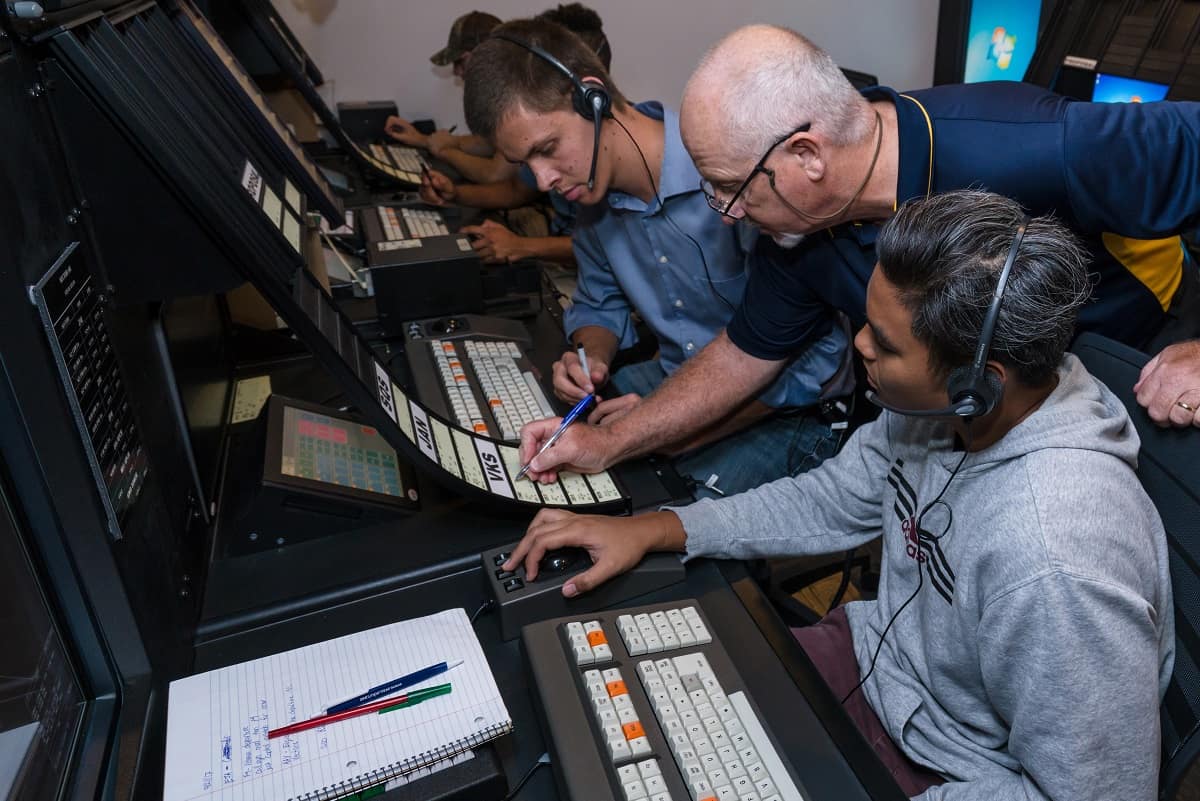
1001 38
1115 89
336 179
339 452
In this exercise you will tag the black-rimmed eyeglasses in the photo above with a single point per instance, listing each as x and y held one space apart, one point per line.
722 207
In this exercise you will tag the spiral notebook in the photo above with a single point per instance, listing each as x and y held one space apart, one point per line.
217 722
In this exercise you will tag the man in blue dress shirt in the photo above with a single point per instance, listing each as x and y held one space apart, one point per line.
646 243
784 141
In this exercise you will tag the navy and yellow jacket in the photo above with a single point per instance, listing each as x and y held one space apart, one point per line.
1125 177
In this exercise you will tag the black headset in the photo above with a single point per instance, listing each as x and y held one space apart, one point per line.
589 98
974 392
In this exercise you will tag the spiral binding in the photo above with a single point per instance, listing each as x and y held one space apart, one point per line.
421 760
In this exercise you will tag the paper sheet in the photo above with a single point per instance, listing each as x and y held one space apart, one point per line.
217 722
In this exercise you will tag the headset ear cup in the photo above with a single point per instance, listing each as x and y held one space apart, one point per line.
593 101
990 390
984 393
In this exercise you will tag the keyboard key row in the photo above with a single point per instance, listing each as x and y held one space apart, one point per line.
588 642
643 781
662 631
720 759
613 707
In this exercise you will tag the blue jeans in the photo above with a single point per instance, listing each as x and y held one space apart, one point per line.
781 445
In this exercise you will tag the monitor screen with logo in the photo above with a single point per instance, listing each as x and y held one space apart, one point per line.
1115 89
1001 37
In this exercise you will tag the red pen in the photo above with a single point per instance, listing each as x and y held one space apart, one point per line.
374 706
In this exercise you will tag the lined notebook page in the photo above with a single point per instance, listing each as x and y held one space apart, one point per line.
217 722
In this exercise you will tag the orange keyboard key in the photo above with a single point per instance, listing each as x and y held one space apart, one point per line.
633 730
597 638
616 688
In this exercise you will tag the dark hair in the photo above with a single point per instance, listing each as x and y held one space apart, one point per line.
944 254
584 23
502 75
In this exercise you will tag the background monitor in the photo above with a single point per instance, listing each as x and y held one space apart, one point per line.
1115 89
1001 37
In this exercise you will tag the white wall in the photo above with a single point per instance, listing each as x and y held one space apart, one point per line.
380 49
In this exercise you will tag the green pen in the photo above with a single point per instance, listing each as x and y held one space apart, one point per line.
417 696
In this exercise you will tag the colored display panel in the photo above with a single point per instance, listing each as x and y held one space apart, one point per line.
1000 39
1115 89
323 448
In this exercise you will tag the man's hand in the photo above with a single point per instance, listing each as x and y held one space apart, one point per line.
582 448
402 131
1169 386
614 544
494 243
614 409
439 142
437 189
570 383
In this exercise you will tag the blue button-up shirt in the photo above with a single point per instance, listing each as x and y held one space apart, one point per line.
634 255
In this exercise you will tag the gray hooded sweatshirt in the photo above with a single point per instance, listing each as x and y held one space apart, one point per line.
1032 659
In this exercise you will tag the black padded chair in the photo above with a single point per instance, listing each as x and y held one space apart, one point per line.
1169 468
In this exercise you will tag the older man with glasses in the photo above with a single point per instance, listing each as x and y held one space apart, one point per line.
782 140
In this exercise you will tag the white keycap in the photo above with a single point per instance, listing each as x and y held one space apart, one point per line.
634 790
618 749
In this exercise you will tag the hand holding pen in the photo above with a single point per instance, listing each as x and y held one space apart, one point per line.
575 375
436 188
570 417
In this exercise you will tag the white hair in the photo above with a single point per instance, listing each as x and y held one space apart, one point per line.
767 91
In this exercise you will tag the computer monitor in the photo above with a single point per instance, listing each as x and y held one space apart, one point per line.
1115 89
1001 37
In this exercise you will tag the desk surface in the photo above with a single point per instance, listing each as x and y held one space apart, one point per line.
312 591
832 759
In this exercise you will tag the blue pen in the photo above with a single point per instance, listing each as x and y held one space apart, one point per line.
392 686
566 421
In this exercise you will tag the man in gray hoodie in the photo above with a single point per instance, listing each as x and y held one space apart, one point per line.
1023 632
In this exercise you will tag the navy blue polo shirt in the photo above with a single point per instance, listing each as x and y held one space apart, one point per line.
1122 176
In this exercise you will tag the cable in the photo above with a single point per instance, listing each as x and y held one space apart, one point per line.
337 252
483 607
920 571
544 759
663 207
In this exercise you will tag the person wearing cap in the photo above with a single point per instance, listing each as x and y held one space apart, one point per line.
496 243
470 155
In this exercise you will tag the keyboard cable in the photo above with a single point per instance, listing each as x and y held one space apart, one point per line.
544 759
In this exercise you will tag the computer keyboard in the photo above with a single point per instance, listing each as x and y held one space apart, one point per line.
405 223
489 373
644 704
407 158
